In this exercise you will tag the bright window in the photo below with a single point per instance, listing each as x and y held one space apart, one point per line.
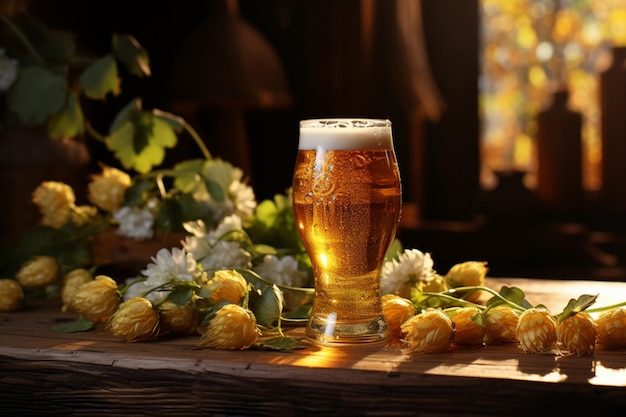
530 47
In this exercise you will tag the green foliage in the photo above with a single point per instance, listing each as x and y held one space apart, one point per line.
100 78
128 51
267 305
281 344
70 121
508 295
191 175
575 306
274 224
79 325
138 138
37 94
52 80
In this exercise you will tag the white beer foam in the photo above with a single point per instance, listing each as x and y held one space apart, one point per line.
345 134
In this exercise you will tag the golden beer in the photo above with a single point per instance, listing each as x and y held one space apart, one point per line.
347 203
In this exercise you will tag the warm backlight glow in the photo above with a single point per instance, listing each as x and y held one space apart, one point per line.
529 48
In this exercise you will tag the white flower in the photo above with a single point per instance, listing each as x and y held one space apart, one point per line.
244 198
239 197
228 224
398 275
134 222
177 265
8 71
283 271
139 288
201 244
226 255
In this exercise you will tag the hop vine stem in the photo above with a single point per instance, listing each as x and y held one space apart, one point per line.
22 38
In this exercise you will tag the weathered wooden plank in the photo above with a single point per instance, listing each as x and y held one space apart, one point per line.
94 373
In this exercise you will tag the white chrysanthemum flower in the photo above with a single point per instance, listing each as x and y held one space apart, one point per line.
244 198
398 276
283 271
198 246
226 255
227 225
240 198
177 265
134 222
204 245
8 71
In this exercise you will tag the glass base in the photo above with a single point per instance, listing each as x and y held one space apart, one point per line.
329 332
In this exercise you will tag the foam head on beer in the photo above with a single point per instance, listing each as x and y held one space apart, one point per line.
345 134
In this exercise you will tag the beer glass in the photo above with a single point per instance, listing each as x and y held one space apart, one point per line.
347 204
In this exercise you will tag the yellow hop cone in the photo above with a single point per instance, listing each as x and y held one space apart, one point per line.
97 300
397 310
501 322
431 331
469 328
39 271
536 331
71 281
227 285
468 274
232 328
107 190
577 334
135 320
11 295
178 319
611 326
434 283
54 200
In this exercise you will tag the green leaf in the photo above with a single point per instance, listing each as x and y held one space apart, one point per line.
576 306
395 249
100 78
139 143
274 225
282 344
180 295
191 209
69 122
134 194
513 294
170 217
79 325
36 94
267 305
187 174
131 54
215 190
127 114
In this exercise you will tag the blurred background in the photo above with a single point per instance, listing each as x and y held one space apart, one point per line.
509 116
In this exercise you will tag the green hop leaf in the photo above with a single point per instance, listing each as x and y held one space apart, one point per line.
576 306
36 94
79 325
139 142
131 54
512 294
181 294
69 122
100 78
282 344
187 174
134 194
267 305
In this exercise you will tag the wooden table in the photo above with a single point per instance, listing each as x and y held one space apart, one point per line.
93 373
